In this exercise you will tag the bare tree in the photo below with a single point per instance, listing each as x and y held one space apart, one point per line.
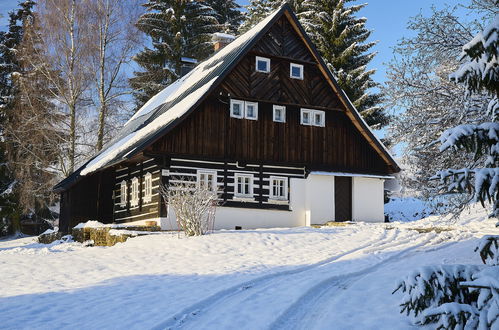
194 206
116 39
66 36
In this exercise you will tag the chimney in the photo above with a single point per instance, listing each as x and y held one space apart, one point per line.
220 40
187 65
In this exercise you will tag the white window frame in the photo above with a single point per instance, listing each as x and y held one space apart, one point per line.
322 115
241 107
123 193
295 65
255 106
206 173
263 59
310 117
238 176
285 188
134 200
283 111
147 188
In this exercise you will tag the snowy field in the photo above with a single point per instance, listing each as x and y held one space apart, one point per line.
299 278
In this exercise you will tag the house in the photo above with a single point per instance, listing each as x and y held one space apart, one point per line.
262 120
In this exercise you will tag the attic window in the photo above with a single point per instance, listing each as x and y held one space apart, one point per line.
251 110
134 201
296 71
262 64
123 193
147 188
279 113
236 108
313 117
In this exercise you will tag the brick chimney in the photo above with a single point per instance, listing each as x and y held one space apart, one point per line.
220 40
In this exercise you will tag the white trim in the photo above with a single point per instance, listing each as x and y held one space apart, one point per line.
195 161
241 108
309 112
283 113
263 59
134 200
285 187
123 193
295 65
207 173
255 110
353 175
147 188
322 115
136 216
250 185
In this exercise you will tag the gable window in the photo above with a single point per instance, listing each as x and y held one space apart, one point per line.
278 187
306 117
296 71
279 113
207 180
244 185
313 117
262 64
134 201
251 110
147 187
123 193
236 108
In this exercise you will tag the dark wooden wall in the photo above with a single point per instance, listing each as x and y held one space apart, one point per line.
89 199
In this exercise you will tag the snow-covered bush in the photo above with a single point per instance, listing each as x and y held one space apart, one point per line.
194 206
488 248
433 296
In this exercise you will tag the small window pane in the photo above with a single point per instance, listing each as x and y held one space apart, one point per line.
296 72
262 66
236 110
251 111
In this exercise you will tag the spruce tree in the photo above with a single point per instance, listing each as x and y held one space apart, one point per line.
228 14
341 39
178 28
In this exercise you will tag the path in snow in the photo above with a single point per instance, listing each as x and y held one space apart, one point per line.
289 299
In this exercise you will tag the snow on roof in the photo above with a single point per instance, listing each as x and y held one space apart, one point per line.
172 102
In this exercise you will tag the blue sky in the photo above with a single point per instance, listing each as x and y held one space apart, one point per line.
387 18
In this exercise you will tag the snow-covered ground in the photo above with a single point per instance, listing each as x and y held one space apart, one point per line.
299 278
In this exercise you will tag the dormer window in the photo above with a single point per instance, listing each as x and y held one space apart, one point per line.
313 117
279 113
251 110
262 64
236 108
296 71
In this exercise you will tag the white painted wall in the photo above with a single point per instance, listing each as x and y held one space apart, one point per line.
368 204
320 198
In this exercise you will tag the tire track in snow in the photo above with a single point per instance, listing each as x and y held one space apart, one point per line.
300 315
203 307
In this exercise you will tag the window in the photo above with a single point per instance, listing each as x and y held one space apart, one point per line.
134 201
123 193
262 64
147 187
306 117
278 188
244 185
296 71
236 108
207 180
251 110
313 117
279 113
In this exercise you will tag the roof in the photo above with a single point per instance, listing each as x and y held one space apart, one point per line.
170 106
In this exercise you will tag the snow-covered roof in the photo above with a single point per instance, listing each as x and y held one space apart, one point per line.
172 104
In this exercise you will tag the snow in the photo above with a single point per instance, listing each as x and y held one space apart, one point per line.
303 278
90 224
170 95
407 209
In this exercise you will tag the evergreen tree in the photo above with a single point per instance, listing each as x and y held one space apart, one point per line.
178 28
228 14
341 38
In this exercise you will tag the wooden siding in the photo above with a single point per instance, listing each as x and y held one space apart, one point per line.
210 133
183 170
142 211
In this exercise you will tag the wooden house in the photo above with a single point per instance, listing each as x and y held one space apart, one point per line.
263 121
